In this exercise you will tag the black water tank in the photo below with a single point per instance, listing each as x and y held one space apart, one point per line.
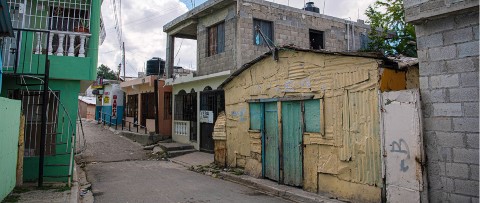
155 66
311 7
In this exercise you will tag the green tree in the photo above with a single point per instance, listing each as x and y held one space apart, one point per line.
106 73
390 33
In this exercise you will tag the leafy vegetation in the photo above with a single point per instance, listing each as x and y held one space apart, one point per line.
390 33
106 73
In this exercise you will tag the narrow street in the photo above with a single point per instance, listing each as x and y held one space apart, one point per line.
119 171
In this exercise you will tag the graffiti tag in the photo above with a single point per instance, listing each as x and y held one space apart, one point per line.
401 147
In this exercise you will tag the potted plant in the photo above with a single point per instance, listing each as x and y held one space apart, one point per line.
83 26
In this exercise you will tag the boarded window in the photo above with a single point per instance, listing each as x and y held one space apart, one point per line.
316 39
216 39
312 116
255 116
266 28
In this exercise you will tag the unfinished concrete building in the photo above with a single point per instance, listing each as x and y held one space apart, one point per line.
227 38
230 33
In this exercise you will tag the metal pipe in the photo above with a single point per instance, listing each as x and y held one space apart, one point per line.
44 121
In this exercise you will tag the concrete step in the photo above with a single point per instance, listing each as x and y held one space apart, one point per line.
176 153
173 146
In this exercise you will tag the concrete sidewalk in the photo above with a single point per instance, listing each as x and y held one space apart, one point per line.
264 185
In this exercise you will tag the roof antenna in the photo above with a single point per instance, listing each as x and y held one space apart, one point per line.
324 7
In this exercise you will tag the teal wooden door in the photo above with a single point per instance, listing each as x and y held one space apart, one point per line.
271 164
292 143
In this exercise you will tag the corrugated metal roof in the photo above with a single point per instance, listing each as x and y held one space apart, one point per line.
399 63
6 29
88 100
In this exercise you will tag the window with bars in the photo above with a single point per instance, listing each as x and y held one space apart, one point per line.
132 105
216 39
167 106
31 109
266 28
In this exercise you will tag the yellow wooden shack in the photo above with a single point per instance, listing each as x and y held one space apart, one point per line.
311 119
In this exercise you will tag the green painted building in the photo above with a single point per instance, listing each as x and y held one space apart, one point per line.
63 35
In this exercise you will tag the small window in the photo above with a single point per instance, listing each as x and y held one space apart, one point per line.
216 39
266 28
364 41
316 39
255 116
312 116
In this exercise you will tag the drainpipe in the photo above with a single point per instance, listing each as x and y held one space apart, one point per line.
353 35
348 36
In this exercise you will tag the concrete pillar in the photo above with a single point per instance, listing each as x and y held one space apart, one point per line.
170 55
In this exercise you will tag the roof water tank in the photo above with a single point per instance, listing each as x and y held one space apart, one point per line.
155 66
311 7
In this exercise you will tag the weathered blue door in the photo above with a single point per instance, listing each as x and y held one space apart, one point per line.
271 166
292 143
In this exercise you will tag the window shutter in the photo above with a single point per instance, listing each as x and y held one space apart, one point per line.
255 116
312 116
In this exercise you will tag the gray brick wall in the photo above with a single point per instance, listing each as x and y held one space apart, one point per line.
291 26
448 54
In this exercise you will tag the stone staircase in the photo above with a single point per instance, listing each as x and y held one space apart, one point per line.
174 149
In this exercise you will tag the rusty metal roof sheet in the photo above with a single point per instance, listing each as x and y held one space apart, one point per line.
398 63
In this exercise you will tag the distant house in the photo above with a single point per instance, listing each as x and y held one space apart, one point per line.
230 33
148 104
86 107
315 119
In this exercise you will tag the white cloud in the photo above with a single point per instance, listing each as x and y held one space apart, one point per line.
144 37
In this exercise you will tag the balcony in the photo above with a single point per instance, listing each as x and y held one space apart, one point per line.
54 30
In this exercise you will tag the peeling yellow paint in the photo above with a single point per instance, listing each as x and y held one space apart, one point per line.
346 153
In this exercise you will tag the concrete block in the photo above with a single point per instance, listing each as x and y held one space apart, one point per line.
475 32
463 94
437 95
434 26
468 49
430 41
438 124
466 187
447 109
456 170
458 36
443 53
471 109
446 139
468 19
442 183
440 81
465 124
432 68
423 82
473 172
472 140
458 198
436 168
462 65
469 79
469 156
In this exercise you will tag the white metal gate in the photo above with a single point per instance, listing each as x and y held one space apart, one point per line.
403 145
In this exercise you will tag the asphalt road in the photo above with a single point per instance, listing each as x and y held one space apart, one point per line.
119 171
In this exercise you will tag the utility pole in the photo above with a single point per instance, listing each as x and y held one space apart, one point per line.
123 61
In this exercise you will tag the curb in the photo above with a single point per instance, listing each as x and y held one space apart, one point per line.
286 192
75 189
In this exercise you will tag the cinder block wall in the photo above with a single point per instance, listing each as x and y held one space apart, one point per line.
448 53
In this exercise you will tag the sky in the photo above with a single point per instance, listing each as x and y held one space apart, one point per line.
144 38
